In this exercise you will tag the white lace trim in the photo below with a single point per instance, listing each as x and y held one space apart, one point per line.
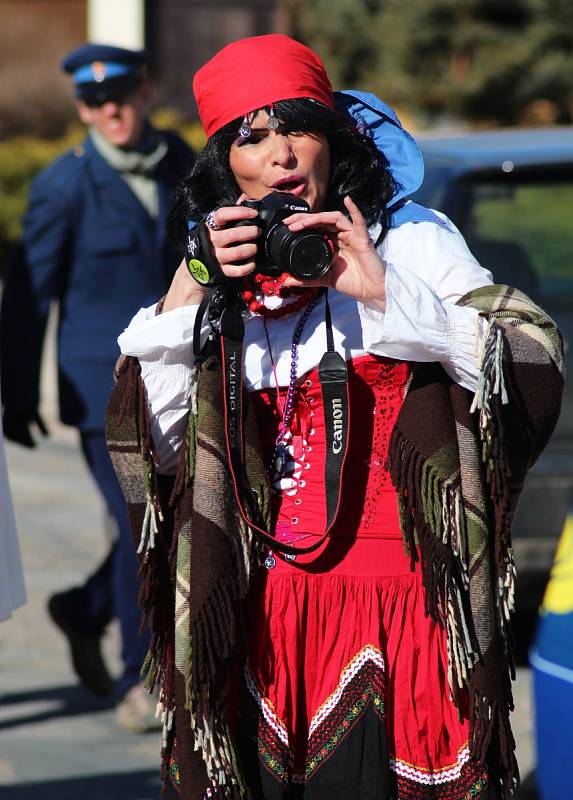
266 708
435 777
368 653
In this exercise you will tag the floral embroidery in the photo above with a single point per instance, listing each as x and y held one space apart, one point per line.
174 771
388 388
361 685
268 729
463 780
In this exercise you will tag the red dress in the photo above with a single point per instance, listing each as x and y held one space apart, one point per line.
345 690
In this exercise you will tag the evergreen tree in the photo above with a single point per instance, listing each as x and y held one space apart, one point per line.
493 61
340 31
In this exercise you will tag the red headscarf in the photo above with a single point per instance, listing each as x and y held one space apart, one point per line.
253 73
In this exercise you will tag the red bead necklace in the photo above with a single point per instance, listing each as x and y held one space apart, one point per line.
274 287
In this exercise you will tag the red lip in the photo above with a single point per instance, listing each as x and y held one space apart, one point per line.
289 183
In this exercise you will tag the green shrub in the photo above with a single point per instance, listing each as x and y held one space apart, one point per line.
192 132
20 160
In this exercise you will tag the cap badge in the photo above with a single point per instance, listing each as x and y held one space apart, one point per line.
98 71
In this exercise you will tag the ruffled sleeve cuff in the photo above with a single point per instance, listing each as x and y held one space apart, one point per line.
163 343
162 338
418 326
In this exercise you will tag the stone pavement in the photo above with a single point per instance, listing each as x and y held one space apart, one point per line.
57 742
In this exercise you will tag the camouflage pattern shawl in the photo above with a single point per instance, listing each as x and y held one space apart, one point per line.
458 480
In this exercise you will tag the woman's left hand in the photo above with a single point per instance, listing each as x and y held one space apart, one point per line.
357 269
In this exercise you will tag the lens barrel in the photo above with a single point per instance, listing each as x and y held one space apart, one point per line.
304 254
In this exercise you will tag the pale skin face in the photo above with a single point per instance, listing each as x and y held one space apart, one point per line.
299 163
281 160
121 123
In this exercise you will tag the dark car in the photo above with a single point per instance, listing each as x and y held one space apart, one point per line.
511 195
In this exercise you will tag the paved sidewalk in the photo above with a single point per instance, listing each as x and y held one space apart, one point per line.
57 742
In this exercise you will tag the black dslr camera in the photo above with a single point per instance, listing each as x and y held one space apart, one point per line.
306 254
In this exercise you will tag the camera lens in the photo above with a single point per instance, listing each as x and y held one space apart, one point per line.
309 256
305 254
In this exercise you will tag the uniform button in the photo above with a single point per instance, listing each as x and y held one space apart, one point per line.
311 399
297 501
308 382
311 432
309 448
294 520
302 483
290 556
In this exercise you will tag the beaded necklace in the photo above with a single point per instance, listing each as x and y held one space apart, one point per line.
274 287
279 459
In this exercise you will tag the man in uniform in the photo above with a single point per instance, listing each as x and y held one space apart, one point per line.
94 240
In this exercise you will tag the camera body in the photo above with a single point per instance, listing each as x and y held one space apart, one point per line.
306 254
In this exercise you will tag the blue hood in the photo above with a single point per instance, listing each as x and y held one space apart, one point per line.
378 121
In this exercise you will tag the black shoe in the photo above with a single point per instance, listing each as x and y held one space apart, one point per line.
85 649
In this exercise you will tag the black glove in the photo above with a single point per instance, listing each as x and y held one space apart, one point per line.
17 426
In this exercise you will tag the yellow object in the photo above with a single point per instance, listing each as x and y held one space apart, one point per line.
559 593
198 270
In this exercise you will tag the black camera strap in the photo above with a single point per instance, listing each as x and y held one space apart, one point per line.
198 325
333 375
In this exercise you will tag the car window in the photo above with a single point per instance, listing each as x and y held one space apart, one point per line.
521 229
433 191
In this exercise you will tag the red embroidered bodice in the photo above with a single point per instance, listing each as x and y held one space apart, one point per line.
368 504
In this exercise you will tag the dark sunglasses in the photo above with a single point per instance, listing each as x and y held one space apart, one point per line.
100 99
118 90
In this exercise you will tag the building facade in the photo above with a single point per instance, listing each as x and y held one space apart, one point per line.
180 35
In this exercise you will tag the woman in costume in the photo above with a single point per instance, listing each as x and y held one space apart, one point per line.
322 515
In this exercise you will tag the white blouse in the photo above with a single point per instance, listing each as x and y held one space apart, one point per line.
428 268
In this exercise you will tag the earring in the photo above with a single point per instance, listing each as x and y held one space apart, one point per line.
273 122
245 129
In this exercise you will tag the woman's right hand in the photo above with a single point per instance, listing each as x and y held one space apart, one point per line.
230 246
234 248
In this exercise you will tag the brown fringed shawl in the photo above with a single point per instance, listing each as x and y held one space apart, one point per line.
458 467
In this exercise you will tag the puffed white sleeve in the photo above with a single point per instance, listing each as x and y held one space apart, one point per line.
428 268
163 344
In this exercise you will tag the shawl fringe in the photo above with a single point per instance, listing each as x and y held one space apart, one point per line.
433 524
490 397
489 718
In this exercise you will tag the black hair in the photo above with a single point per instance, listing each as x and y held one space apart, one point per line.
357 168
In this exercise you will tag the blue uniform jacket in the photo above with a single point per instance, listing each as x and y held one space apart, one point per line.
90 244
